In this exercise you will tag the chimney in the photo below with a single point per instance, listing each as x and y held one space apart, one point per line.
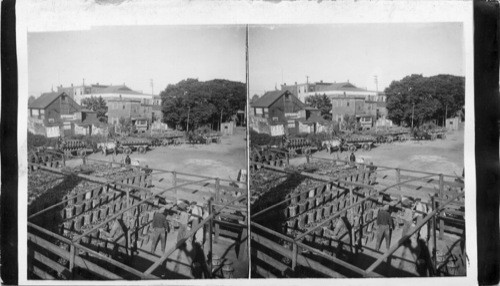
71 84
295 83
284 84
321 81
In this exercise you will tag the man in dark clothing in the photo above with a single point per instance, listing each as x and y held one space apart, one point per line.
160 227
149 177
352 158
127 160
384 223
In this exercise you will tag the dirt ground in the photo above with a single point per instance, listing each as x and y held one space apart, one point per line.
439 156
222 160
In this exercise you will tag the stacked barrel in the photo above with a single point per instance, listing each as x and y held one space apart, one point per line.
310 208
86 208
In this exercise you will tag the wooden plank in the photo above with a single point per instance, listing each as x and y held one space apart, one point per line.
42 274
280 266
51 263
271 245
232 216
226 232
264 272
237 226
80 262
334 260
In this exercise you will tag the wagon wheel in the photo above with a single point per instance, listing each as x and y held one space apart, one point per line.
367 146
402 138
127 151
352 148
82 152
142 150
390 139
444 136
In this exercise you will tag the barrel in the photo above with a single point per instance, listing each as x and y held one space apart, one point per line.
302 207
311 203
319 214
302 221
292 210
78 223
87 218
310 217
69 211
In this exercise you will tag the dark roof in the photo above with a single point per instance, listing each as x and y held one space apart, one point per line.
45 99
116 89
314 118
270 97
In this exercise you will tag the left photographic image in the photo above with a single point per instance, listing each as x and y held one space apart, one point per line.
137 153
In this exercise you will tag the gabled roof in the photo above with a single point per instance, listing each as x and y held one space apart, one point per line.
271 96
342 86
45 99
116 89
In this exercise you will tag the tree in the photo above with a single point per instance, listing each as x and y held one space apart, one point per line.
97 104
424 99
350 123
195 103
254 98
125 125
321 102
31 99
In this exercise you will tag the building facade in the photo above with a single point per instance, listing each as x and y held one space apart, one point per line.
123 108
53 108
332 90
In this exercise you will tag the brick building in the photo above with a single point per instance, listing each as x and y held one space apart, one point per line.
126 108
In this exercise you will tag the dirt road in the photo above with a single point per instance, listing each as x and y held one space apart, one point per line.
439 156
222 160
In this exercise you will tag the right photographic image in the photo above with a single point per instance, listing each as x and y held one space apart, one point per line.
356 137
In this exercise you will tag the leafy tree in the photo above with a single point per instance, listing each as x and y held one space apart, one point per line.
205 103
350 123
427 98
125 125
254 98
97 104
31 99
321 102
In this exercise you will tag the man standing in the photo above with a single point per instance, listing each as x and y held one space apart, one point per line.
352 158
160 228
127 160
384 223
183 221
149 177
195 219
117 235
407 216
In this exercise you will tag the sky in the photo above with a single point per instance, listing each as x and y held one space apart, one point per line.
134 55
352 52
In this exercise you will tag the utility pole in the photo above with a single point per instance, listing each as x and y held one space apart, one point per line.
375 77
187 124
412 112
152 90
445 114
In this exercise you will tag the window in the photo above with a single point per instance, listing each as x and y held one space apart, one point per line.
124 106
51 120
275 118
347 103
42 111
